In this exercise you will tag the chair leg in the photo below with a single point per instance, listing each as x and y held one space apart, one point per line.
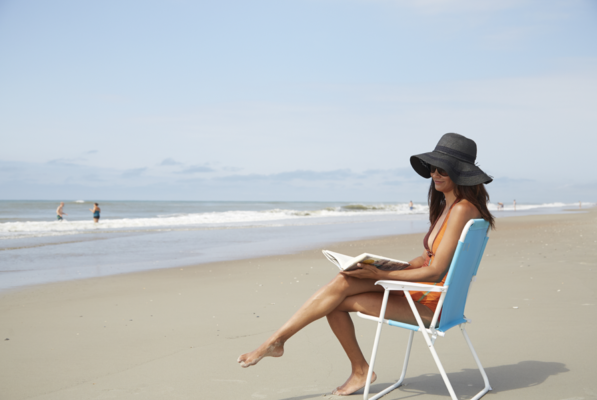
399 383
382 315
483 374
440 366
430 346
404 367
406 357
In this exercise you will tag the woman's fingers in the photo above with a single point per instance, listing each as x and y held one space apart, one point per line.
366 271
368 267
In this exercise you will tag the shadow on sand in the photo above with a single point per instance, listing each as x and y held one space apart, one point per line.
466 383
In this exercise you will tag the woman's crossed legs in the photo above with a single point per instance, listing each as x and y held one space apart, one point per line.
335 300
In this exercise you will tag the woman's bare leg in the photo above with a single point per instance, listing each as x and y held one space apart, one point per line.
398 309
324 301
343 328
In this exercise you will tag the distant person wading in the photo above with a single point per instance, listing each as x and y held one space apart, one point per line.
60 212
96 212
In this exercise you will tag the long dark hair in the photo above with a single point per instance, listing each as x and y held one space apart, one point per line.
476 195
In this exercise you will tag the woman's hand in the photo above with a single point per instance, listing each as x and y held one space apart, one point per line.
365 271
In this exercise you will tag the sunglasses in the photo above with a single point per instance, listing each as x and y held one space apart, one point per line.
433 168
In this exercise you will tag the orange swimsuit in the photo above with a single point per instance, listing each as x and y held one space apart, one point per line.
430 299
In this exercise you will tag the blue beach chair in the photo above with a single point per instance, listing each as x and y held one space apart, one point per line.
462 272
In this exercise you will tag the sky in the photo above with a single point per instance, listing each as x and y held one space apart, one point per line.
298 100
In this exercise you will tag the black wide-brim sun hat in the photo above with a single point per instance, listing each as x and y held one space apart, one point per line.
456 155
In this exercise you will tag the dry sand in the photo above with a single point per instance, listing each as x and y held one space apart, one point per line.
176 333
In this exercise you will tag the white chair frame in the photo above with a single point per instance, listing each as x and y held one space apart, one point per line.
429 334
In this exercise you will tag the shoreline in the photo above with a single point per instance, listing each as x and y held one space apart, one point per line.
286 240
176 332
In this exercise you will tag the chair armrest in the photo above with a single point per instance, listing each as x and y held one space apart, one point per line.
400 285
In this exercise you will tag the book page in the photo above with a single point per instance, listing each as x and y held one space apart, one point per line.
347 263
340 260
383 263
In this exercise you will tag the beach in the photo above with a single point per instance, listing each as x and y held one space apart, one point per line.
176 333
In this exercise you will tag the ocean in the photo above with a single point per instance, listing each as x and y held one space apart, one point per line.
141 235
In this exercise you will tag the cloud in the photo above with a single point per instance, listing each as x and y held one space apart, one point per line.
93 177
6 168
43 180
134 172
193 169
243 178
458 6
167 162
404 173
66 162
232 169
339 174
92 152
305 175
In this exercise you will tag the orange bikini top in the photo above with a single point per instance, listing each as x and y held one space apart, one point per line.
426 239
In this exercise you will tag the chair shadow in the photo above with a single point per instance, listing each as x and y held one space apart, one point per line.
466 383
469 382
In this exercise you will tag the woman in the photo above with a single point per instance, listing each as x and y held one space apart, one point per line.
456 195
96 212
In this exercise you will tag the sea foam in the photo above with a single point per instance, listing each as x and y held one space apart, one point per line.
224 218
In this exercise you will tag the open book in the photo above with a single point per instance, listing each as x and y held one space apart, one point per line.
348 263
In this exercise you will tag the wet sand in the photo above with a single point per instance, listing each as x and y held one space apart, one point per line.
176 333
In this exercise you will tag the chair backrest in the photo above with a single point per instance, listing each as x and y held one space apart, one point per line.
462 271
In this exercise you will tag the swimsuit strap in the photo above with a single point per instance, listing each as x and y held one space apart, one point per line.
430 253
426 239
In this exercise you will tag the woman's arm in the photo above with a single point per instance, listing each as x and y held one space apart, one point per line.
418 262
460 215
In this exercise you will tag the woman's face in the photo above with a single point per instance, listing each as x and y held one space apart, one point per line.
442 183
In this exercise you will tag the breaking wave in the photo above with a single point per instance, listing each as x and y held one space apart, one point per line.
232 218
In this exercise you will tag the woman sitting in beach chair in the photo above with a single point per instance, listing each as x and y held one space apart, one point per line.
456 195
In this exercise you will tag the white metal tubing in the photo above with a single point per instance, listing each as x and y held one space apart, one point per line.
385 391
430 345
397 384
483 374
387 322
465 230
438 310
407 356
382 315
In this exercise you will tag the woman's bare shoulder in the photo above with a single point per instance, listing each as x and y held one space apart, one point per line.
465 209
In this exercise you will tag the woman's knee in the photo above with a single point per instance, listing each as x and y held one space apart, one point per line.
342 282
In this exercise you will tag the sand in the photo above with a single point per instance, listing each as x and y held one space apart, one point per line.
176 333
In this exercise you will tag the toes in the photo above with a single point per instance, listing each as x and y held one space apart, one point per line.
338 392
246 363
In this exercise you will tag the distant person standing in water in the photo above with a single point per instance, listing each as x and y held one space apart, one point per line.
96 212
515 205
60 212
411 206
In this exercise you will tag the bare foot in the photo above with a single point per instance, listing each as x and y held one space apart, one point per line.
275 349
355 382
